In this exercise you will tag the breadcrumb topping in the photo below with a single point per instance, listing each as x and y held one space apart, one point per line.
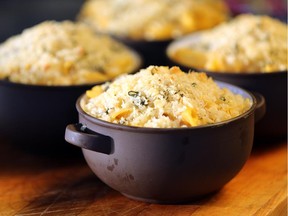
163 97
247 44
153 20
63 53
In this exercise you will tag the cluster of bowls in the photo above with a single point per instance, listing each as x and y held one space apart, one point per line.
141 163
149 164
273 86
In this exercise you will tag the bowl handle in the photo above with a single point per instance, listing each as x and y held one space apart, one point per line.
260 109
83 137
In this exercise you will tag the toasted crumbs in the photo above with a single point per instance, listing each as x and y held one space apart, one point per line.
63 53
247 44
163 97
152 20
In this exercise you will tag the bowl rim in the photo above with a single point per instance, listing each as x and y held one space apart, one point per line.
189 39
131 41
8 83
115 126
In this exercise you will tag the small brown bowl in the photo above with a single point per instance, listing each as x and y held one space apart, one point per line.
169 165
273 86
34 116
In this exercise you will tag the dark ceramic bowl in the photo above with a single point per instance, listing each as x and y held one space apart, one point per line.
273 86
152 52
166 165
34 116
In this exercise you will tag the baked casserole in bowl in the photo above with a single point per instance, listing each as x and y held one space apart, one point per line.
43 71
249 51
148 26
165 136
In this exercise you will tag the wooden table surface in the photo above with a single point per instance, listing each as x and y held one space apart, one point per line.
40 185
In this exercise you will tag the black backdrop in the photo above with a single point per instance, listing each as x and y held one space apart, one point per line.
16 15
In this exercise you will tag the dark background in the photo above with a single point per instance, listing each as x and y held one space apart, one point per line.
16 15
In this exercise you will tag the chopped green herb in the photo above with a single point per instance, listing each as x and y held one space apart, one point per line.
177 92
194 84
107 111
222 98
143 102
123 121
106 88
133 93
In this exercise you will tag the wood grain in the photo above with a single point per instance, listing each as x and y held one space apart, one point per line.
36 185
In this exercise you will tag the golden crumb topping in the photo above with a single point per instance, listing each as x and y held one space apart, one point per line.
247 44
63 53
163 97
152 20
